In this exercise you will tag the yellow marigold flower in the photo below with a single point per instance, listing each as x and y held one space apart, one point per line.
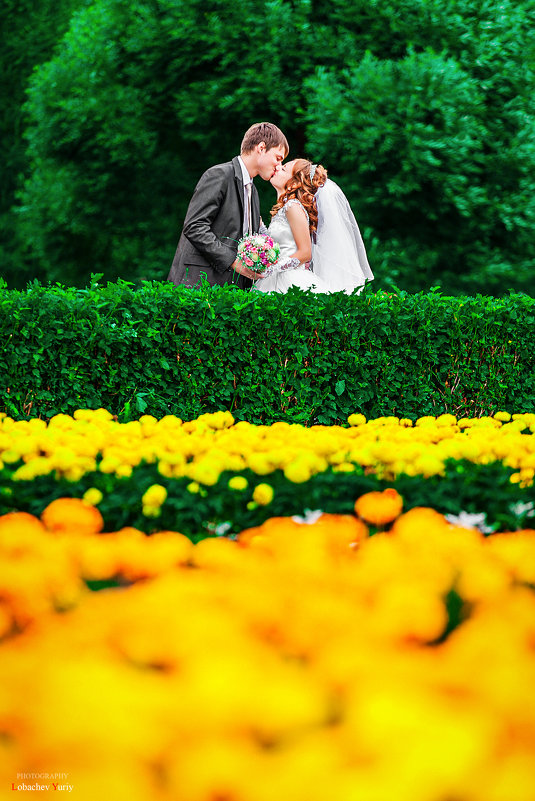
64 421
217 420
297 471
101 414
428 465
504 417
379 508
41 466
109 464
124 471
74 474
263 494
446 420
10 456
238 483
356 420
193 487
151 511
344 467
165 469
82 414
427 420
260 463
147 419
63 458
465 422
72 514
93 496
154 496
205 473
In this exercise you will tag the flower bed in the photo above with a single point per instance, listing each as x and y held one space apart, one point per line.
212 475
302 660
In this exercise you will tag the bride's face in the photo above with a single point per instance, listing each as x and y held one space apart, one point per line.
282 176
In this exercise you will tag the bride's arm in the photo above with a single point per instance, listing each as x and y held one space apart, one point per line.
297 218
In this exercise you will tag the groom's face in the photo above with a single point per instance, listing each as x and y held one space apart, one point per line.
269 161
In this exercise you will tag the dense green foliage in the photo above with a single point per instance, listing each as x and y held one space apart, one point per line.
465 487
31 29
298 357
423 110
432 127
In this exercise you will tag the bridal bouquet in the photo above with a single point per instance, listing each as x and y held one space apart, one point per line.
258 252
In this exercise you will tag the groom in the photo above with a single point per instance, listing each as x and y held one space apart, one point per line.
225 207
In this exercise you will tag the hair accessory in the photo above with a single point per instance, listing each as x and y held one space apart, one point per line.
312 170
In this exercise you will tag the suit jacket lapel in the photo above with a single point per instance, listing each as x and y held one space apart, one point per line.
238 179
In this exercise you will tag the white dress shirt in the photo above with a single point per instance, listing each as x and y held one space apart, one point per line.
247 191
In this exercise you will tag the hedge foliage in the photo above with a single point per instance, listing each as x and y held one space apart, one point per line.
302 358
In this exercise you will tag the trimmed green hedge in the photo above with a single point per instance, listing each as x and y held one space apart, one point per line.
298 357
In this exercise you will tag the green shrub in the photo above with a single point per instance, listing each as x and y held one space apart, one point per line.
298 357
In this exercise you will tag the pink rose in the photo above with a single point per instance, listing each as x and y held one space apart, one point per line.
249 262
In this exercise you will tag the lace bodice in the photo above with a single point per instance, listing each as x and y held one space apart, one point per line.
287 272
279 228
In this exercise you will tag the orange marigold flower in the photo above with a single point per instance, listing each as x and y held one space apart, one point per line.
379 508
342 530
15 522
420 519
72 514
247 535
339 533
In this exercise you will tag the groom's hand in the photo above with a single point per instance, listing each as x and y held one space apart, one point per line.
240 268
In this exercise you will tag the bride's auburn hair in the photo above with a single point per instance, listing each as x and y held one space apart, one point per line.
303 187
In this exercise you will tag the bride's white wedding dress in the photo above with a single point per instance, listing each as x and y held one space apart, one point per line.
339 261
287 272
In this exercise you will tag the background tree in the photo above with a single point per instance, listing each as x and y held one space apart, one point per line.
432 127
423 110
31 29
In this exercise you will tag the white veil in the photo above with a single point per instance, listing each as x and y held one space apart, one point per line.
338 253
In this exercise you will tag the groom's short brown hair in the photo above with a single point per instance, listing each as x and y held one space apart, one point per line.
263 132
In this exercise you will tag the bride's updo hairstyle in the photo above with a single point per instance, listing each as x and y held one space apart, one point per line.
303 187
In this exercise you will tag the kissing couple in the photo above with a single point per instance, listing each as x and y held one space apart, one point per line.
320 243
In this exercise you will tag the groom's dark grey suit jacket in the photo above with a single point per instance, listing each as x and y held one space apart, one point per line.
212 228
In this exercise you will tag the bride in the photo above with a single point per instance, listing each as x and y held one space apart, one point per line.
320 243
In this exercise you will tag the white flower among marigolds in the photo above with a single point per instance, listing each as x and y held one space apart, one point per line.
475 520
